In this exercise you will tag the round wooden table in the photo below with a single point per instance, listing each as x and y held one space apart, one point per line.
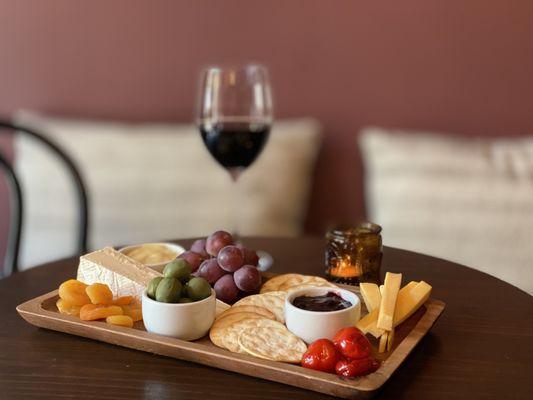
481 347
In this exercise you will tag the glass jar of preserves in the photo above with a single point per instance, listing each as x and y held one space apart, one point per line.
353 254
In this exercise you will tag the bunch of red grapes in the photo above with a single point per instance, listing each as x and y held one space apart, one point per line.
231 269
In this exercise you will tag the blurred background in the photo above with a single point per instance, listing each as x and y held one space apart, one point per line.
416 116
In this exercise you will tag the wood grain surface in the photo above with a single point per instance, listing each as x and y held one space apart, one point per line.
481 347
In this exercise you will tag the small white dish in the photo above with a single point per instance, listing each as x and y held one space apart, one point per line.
159 266
265 260
314 325
186 321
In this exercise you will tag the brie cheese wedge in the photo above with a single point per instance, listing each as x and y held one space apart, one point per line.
123 275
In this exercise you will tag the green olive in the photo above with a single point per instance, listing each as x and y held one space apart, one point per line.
198 289
184 288
152 286
179 269
168 290
185 300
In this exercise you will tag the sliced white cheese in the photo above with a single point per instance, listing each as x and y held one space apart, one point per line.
390 339
388 300
383 342
123 275
412 301
371 295
410 298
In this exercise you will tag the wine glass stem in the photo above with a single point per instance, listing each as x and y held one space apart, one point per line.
235 173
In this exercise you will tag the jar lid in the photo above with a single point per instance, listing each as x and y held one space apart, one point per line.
362 229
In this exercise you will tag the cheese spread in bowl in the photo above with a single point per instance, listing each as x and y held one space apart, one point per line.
153 255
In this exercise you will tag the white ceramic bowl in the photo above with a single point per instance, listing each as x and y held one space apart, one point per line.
186 321
313 325
161 265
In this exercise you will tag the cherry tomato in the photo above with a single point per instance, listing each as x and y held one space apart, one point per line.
345 368
359 367
321 356
352 343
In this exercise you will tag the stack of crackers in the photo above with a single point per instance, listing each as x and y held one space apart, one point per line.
289 282
255 325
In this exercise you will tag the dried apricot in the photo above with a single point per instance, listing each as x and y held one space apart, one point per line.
67 308
73 292
135 303
135 313
123 301
120 320
90 312
99 293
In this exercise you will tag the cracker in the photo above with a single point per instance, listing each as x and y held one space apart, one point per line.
277 293
248 308
229 319
272 344
274 283
302 280
221 307
227 336
310 285
289 281
272 302
217 331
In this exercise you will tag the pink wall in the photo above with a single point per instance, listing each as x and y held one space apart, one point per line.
455 66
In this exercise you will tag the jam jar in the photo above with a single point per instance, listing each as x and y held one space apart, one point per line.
353 254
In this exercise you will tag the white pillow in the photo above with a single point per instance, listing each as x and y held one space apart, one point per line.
465 200
157 181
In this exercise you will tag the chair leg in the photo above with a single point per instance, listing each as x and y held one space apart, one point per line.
15 226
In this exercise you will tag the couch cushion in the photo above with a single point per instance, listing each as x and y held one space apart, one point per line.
465 200
157 181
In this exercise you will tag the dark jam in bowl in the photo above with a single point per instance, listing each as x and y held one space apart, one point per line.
328 302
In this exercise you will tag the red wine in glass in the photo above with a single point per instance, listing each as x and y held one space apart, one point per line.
234 118
235 145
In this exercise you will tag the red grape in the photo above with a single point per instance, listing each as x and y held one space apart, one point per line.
247 278
230 258
216 241
226 289
250 256
192 258
199 247
211 271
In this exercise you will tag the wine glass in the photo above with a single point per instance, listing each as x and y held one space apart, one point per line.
235 114
234 118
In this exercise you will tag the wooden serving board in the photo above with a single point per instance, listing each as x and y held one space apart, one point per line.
42 312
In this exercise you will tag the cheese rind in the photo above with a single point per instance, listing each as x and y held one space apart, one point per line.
123 275
371 295
388 300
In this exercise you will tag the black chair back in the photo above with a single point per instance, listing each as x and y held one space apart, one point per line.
11 261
